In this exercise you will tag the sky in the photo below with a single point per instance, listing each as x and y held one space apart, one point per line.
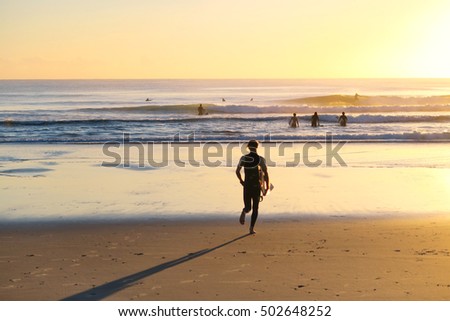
203 39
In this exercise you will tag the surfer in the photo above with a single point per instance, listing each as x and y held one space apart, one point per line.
293 122
315 120
148 99
254 167
201 110
342 119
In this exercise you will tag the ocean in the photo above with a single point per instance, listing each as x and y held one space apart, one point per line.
100 111
52 157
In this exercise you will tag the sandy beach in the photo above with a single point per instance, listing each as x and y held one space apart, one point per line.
376 229
328 259
125 128
45 182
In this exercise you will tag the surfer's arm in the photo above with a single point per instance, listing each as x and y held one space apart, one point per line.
238 173
266 173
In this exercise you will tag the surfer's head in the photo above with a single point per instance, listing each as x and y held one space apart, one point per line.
295 114
252 145
343 113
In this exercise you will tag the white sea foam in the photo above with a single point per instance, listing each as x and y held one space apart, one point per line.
100 111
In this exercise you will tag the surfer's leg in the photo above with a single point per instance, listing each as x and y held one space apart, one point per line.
255 199
247 200
247 205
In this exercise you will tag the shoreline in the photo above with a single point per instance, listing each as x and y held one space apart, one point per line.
316 259
118 219
54 182
262 142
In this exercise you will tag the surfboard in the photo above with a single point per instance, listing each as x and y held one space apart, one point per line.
262 183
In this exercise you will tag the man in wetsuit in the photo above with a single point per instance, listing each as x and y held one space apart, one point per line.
253 164
315 120
293 122
342 120
201 110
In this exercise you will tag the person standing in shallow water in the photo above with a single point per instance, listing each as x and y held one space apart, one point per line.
293 122
252 164
315 120
201 110
342 120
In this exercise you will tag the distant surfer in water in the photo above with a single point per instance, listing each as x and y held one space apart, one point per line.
293 122
315 120
201 110
255 170
342 119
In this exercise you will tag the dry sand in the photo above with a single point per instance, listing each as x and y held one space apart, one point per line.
305 259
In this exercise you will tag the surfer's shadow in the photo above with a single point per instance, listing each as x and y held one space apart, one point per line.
105 290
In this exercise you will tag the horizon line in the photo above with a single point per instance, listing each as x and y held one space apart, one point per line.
239 78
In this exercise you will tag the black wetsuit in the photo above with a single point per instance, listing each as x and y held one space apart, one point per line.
342 120
293 123
252 187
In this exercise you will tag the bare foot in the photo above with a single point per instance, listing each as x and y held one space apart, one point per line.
252 231
242 218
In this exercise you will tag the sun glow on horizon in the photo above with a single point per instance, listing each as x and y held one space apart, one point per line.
225 39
